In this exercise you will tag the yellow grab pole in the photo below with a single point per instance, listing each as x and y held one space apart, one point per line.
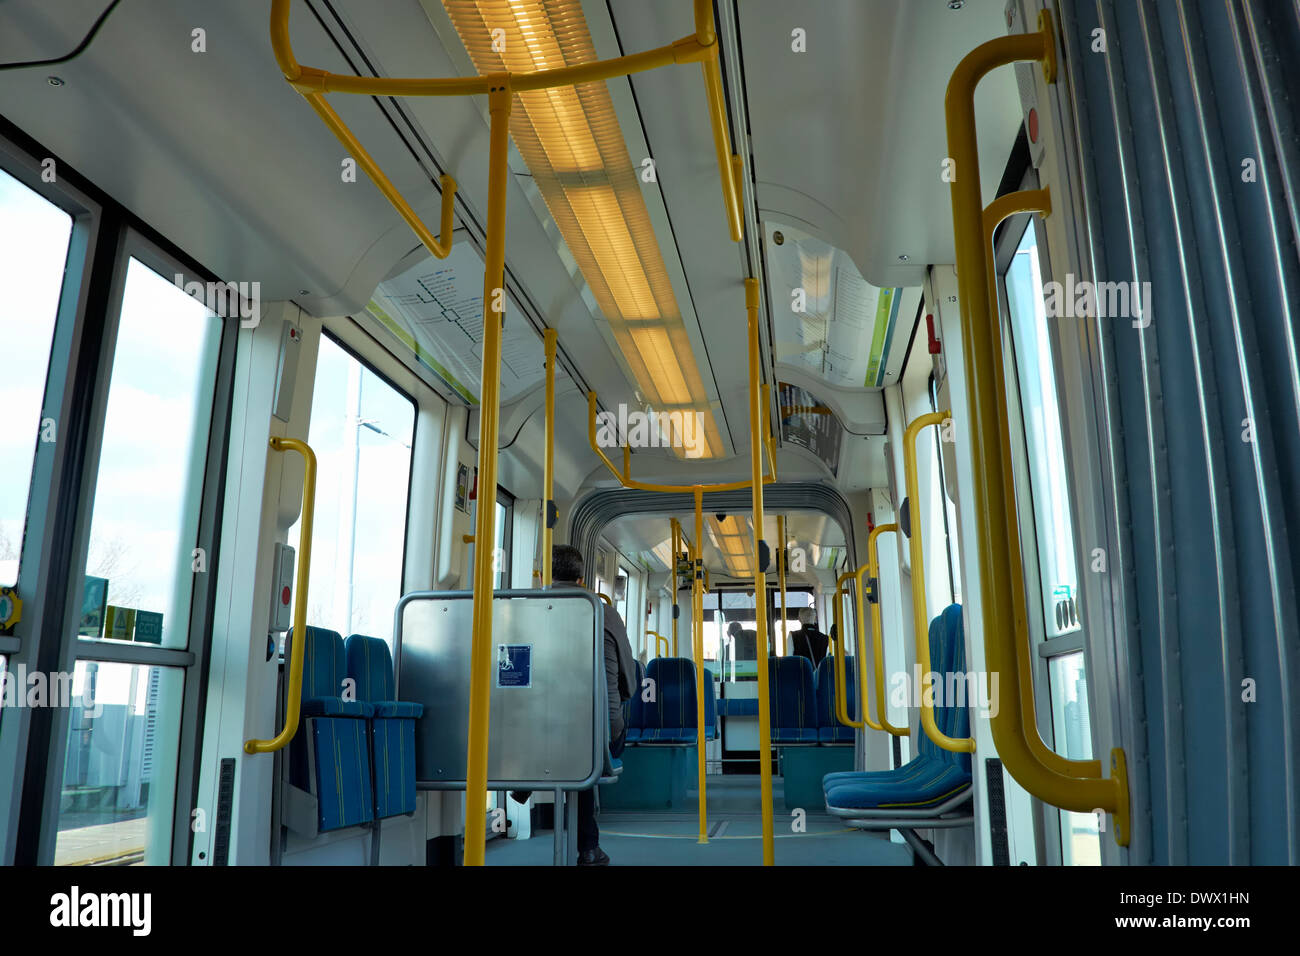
548 471
677 543
780 581
877 633
920 615
697 645
1004 621
485 526
841 651
298 651
756 439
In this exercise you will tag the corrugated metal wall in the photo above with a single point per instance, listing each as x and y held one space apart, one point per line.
1189 123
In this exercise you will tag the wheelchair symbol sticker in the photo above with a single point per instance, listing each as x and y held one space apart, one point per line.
515 665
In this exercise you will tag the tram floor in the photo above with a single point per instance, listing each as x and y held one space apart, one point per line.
671 838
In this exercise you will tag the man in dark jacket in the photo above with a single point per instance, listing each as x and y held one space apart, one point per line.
808 641
620 685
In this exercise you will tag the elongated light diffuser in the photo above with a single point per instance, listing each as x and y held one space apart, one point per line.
572 143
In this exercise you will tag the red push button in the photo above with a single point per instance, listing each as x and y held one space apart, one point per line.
1033 126
284 596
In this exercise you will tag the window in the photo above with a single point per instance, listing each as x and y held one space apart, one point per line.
620 592
124 726
140 567
362 429
33 254
505 517
1058 629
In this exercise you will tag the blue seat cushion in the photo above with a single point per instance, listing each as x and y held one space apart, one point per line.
835 735
404 709
633 735
738 706
394 766
667 735
342 756
929 783
336 707
794 735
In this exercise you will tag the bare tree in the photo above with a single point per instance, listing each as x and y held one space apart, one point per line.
111 559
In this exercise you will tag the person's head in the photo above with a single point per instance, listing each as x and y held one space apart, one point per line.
566 565
734 629
807 618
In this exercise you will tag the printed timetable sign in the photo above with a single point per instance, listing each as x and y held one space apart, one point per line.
515 665
806 422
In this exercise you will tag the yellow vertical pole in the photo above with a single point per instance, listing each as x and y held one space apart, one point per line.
756 437
677 543
548 472
780 580
697 629
485 525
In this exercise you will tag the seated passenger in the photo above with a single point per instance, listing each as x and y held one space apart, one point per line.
744 642
620 685
808 641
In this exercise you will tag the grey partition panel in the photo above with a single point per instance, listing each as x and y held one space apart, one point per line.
548 721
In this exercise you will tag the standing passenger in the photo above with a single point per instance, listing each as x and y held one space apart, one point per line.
620 685
808 641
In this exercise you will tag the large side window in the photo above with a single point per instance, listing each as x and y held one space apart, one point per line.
362 430
124 729
33 254
1057 630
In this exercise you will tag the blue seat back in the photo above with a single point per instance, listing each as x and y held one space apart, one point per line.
674 703
948 661
370 664
792 699
634 709
324 665
826 719
710 706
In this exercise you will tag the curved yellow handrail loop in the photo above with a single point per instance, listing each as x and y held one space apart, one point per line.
298 648
700 47
840 653
997 540
920 616
872 569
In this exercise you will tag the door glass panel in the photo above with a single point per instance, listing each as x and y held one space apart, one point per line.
499 562
1042 423
141 564
1053 528
119 769
33 255
361 430
1080 837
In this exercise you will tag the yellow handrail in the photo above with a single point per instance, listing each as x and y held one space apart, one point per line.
605 598
757 421
677 544
839 653
298 648
1001 585
700 47
625 476
550 339
661 643
920 616
697 652
780 581
872 568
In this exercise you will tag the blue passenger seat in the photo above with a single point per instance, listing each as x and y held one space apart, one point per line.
935 775
634 709
671 717
329 756
829 729
792 699
392 733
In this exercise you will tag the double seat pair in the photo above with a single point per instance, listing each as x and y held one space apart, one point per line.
352 760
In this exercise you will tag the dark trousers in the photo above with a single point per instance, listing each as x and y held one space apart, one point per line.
588 831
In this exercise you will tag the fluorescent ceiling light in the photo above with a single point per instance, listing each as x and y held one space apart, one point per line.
571 140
